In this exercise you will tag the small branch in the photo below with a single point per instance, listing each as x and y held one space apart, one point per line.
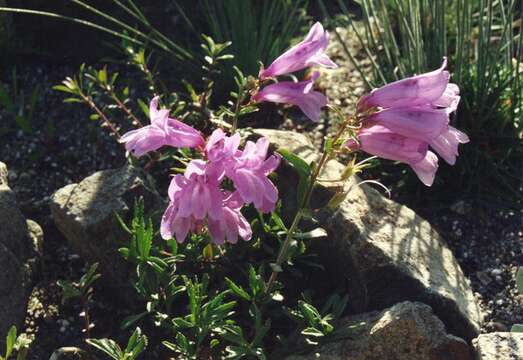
305 201
106 121
123 107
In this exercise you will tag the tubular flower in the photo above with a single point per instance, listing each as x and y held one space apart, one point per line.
196 199
249 175
162 131
446 145
221 147
232 224
301 94
422 123
193 197
381 141
431 88
406 117
309 52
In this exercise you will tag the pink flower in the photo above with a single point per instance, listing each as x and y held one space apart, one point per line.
221 147
162 131
430 88
420 122
301 94
412 114
193 197
446 145
381 141
232 224
309 52
249 175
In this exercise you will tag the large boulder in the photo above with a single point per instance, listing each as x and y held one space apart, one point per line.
86 214
18 258
382 250
406 331
499 346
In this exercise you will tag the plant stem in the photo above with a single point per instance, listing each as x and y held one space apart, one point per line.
237 111
123 107
108 122
87 318
282 255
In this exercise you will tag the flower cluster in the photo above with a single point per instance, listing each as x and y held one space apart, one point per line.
309 52
402 119
197 198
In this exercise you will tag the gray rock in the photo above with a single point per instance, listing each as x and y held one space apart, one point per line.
382 250
85 214
18 260
406 331
3 174
499 346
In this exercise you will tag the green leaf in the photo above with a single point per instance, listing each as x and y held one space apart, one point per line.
237 290
309 312
72 100
310 331
181 323
313 234
517 328
277 219
144 107
208 252
214 343
24 124
107 346
519 279
298 163
136 344
102 75
5 100
303 169
63 88
94 117
69 291
129 320
10 341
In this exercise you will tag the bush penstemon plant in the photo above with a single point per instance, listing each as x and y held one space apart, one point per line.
398 122
222 180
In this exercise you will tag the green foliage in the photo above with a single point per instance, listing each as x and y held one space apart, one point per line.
135 346
19 343
19 107
82 289
318 326
519 286
258 30
226 311
303 169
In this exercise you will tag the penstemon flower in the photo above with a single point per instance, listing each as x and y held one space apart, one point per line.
402 119
432 88
309 52
232 224
249 175
193 197
301 94
196 198
162 131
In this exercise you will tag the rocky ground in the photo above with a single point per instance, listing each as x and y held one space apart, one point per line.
65 146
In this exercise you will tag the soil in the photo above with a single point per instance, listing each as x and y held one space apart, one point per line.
65 146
